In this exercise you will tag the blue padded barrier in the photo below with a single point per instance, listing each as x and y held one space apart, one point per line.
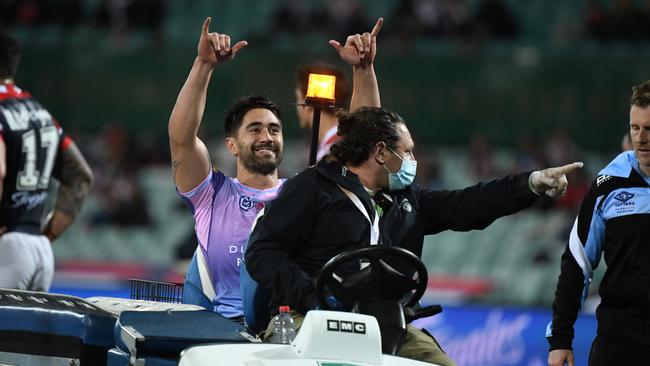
37 323
167 333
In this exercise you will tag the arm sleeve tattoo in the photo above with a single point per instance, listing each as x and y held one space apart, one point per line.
76 180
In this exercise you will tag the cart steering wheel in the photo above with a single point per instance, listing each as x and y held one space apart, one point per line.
376 278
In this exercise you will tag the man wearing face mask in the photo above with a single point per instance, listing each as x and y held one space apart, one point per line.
363 194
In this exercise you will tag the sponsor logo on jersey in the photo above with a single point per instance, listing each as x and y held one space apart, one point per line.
28 199
346 326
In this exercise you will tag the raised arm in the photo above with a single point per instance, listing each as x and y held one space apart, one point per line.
190 158
75 182
359 52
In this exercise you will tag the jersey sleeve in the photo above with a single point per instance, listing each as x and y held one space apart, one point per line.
200 200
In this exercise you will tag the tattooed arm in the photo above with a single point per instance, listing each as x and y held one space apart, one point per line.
190 158
76 180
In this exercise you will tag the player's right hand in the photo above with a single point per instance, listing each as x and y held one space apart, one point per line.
214 48
552 181
560 357
359 49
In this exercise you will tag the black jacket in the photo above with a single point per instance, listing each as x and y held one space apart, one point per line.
313 220
614 220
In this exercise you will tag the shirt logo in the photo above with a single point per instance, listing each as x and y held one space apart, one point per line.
405 205
28 199
624 196
245 203
602 179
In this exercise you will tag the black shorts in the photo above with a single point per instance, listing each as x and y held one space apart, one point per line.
609 352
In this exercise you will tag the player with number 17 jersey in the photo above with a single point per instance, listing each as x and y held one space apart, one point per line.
33 141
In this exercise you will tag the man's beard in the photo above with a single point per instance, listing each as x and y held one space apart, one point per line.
260 165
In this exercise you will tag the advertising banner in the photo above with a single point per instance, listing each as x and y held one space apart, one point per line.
496 336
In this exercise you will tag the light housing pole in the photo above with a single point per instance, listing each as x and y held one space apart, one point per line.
320 94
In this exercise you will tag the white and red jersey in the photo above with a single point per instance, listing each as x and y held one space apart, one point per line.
326 143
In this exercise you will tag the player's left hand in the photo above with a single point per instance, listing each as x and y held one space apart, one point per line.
552 181
55 223
359 49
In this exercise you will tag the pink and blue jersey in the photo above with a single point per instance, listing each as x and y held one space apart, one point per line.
224 211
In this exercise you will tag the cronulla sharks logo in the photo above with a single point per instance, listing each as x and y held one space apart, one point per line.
623 203
624 196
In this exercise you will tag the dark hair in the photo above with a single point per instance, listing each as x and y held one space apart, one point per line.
362 130
641 95
341 89
236 113
9 55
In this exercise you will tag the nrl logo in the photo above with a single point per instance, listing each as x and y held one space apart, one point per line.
245 203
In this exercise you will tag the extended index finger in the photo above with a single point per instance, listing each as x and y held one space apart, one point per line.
565 169
377 27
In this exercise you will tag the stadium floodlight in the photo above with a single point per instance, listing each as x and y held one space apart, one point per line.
320 94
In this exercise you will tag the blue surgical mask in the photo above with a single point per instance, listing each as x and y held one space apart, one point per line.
404 176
